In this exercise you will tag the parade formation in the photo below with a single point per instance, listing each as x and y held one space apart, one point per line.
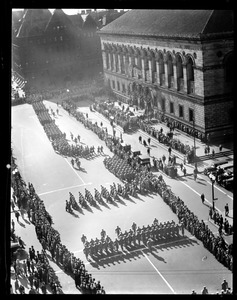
135 178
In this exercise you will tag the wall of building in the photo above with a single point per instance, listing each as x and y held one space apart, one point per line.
208 79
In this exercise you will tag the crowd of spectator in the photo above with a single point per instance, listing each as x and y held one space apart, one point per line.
223 223
46 234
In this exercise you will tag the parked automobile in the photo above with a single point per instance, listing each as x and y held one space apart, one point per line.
214 166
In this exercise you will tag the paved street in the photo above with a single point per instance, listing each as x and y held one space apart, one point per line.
175 267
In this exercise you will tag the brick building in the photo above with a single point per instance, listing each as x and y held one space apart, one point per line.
56 48
176 64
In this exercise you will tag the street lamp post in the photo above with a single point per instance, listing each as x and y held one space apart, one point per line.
194 138
213 179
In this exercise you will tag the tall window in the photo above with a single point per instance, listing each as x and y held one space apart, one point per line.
181 111
180 76
190 76
161 69
118 86
163 104
191 115
113 84
170 66
171 107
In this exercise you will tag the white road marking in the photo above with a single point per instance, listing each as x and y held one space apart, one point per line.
200 195
62 189
75 171
167 283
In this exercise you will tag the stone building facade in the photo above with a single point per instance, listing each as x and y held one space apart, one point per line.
175 64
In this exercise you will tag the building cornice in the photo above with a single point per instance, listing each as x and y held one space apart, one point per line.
197 37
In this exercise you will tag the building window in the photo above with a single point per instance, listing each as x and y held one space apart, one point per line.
163 104
181 111
123 88
113 84
190 76
171 107
191 115
118 85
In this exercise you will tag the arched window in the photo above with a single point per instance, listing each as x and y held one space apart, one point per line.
161 69
170 71
180 76
190 76
229 68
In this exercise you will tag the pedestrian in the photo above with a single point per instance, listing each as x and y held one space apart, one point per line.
181 166
213 153
25 268
78 137
149 141
208 149
226 210
224 285
148 151
57 111
169 150
17 215
184 160
203 198
195 175
101 149
101 124
204 291
184 171
220 148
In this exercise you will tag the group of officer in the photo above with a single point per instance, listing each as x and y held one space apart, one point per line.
146 235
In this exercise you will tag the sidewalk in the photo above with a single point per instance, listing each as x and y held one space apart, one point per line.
188 140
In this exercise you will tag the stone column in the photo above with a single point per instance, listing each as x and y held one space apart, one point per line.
175 76
185 78
143 69
166 74
109 61
114 62
150 70
119 63
158 72
123 63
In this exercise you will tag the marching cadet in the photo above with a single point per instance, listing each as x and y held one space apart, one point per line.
116 245
138 235
134 227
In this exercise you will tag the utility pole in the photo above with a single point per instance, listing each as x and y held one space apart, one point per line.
194 138
213 178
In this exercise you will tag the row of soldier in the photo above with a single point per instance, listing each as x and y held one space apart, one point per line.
46 234
104 196
135 237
